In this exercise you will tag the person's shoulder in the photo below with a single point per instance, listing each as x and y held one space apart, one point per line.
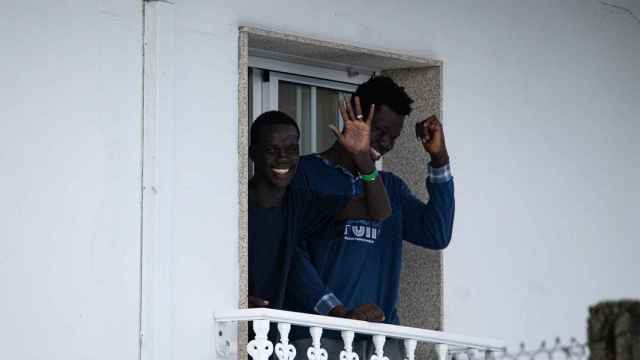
308 157
300 180
311 165
306 162
311 160
395 186
391 180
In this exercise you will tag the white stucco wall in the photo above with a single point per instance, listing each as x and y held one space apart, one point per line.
70 130
540 109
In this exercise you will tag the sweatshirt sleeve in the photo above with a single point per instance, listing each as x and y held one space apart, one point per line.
306 286
429 225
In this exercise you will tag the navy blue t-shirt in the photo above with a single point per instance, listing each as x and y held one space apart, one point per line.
274 233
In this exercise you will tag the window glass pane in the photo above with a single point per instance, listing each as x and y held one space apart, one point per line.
295 101
326 114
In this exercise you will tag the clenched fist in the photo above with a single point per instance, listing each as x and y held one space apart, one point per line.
429 132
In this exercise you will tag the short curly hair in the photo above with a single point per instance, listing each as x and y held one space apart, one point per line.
382 90
270 118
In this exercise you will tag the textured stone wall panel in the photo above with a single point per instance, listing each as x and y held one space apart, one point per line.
421 278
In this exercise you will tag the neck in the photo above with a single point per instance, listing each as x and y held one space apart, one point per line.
337 155
264 193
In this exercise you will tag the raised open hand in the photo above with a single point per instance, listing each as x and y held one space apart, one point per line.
356 136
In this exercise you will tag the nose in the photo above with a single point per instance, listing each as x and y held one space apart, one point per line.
281 155
284 154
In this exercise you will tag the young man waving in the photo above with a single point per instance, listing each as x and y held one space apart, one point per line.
359 276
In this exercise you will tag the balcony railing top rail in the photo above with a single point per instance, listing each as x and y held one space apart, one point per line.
361 327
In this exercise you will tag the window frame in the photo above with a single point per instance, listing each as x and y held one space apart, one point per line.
343 58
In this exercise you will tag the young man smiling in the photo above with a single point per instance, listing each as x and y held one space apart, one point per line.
359 277
279 216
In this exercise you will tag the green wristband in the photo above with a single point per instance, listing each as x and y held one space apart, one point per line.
370 177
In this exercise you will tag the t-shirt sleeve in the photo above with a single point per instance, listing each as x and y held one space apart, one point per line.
320 211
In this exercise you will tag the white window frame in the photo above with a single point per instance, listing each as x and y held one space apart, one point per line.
263 93
303 69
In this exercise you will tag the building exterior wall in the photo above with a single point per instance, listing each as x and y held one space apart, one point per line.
540 111
70 142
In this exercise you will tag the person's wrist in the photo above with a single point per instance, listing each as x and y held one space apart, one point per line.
439 160
364 163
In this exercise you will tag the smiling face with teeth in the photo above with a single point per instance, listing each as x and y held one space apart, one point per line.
275 155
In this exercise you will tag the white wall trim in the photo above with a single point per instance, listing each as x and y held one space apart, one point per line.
157 303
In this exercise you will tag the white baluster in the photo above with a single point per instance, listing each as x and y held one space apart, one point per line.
443 351
378 341
472 354
410 348
347 353
489 355
260 348
316 352
284 350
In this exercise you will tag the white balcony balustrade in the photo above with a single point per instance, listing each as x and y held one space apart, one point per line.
261 348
